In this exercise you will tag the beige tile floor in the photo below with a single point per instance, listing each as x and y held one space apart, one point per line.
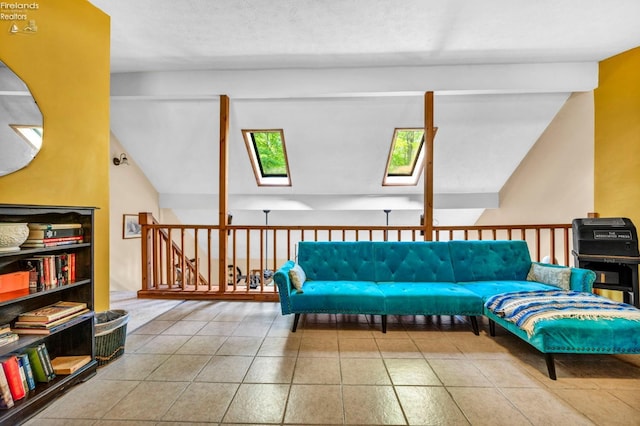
205 362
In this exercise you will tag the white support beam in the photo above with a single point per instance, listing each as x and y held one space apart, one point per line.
342 82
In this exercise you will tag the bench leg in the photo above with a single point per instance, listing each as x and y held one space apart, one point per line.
296 318
492 328
551 366
384 323
474 325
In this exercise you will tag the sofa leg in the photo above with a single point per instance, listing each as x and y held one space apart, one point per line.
384 323
474 325
551 366
492 328
296 318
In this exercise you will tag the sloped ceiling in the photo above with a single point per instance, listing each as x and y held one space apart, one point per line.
338 77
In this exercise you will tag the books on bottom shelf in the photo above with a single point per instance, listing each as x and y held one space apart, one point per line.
20 372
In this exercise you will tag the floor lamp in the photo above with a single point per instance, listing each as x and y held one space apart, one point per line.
268 273
386 212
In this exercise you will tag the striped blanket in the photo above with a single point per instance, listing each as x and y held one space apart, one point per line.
526 308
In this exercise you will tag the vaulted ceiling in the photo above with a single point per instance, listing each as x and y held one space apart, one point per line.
338 77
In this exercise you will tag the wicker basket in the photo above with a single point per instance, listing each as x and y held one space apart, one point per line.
111 334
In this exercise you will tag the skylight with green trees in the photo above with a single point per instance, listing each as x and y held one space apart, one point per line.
406 157
268 156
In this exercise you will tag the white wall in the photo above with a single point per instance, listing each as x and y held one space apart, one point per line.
130 193
554 182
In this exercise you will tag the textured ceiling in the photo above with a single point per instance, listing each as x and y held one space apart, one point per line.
338 77
152 35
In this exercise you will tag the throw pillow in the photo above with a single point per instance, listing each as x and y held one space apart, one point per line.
297 277
552 275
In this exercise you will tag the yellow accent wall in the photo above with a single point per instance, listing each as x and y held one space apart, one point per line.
66 66
617 141
617 137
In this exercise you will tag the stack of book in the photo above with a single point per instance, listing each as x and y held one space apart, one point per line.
6 335
53 234
49 318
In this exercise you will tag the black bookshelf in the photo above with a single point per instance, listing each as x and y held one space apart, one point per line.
77 337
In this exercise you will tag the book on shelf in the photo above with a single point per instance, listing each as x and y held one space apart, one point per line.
40 233
72 267
69 364
51 242
23 375
8 337
5 328
35 359
23 359
12 372
35 267
52 312
51 226
54 239
46 360
33 327
50 277
42 370
68 267
6 400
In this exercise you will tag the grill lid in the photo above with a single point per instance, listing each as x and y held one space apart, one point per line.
607 236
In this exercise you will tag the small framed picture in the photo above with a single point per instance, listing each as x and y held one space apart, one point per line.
130 226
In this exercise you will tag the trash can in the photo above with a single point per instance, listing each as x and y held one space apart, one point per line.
111 335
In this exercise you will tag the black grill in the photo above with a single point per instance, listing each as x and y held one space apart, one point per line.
609 247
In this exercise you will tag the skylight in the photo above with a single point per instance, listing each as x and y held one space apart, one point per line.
406 157
31 134
268 156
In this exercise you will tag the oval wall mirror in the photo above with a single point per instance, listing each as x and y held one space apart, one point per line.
20 123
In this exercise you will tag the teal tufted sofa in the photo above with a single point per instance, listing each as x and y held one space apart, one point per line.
442 278
409 278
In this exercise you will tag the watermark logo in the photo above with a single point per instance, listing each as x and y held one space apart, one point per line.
18 15
30 27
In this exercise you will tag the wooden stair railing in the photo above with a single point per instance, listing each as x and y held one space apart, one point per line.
176 272
164 252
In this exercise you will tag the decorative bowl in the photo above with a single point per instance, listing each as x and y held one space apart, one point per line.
12 235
